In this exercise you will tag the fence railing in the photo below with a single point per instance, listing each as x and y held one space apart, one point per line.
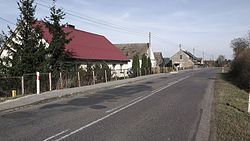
28 83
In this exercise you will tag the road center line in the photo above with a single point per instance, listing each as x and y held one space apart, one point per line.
111 110
123 108
56 135
118 86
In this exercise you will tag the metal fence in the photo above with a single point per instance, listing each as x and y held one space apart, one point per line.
9 84
27 84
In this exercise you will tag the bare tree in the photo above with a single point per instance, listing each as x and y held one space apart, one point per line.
239 45
240 68
220 61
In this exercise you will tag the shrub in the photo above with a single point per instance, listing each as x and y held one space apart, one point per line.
240 68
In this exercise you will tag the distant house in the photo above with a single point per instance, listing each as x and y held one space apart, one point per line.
159 62
158 58
86 48
167 62
184 60
130 50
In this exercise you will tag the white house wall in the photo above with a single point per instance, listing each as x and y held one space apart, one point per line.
4 53
185 62
152 57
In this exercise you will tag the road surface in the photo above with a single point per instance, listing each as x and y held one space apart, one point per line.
171 107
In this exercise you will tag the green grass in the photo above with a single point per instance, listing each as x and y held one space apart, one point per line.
231 117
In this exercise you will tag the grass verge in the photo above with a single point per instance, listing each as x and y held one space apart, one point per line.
231 118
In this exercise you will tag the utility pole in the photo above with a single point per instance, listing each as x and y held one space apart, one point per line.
149 38
150 51
180 59
203 55
149 41
193 51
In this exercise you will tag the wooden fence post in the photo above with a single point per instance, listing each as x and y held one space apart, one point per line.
79 79
124 74
93 74
61 80
115 75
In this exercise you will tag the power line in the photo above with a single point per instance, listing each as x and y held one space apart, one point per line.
3 19
96 22
100 21
105 24
164 40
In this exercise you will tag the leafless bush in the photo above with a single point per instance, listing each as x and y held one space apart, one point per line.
240 68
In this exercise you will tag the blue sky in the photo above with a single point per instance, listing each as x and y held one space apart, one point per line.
206 25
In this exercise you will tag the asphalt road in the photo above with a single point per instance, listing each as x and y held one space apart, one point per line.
161 109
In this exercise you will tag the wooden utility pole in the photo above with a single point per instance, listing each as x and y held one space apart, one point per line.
149 38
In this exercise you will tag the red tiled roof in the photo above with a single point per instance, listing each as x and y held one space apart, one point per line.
87 46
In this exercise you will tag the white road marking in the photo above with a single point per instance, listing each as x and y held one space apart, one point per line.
120 85
172 83
56 135
111 110
123 108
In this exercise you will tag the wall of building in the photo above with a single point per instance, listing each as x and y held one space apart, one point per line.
184 62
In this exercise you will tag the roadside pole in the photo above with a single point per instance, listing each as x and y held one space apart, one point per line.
106 79
37 83
93 73
50 82
115 75
124 74
22 85
61 81
79 80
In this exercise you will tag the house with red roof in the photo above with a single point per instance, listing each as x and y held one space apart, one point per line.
86 48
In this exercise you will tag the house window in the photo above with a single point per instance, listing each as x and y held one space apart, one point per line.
180 56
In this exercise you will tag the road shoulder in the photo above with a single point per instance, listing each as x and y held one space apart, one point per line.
204 127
